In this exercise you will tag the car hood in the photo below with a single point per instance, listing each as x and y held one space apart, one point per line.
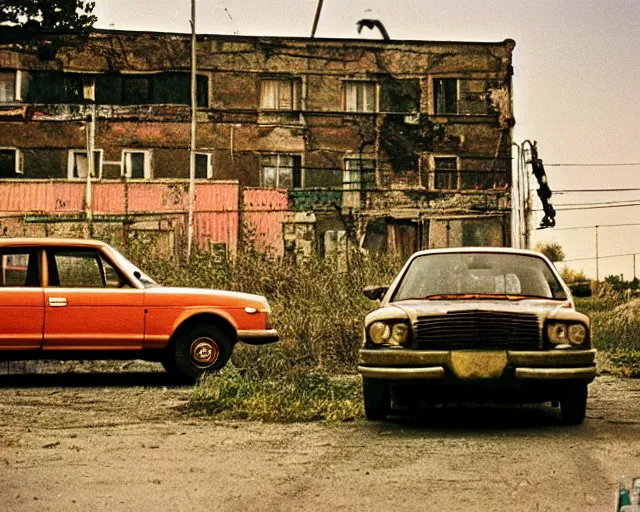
543 308
165 295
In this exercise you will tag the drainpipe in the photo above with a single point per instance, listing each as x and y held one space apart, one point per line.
515 201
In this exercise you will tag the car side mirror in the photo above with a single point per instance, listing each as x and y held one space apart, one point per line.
137 274
581 289
375 292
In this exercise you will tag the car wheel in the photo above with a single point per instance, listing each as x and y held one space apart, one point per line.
203 348
573 405
377 398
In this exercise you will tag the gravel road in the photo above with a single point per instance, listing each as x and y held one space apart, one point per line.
122 441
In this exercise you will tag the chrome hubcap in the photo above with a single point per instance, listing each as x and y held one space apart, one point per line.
204 351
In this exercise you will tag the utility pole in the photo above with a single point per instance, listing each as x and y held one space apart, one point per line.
89 94
192 138
597 268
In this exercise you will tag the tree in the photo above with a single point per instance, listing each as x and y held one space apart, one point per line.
49 15
571 276
553 251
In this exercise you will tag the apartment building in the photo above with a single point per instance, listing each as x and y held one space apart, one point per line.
378 144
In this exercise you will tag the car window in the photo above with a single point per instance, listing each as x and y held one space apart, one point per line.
478 273
83 268
19 268
76 269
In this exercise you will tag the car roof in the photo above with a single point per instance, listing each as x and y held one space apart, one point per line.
49 242
496 250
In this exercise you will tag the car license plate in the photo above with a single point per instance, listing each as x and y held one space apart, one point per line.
478 365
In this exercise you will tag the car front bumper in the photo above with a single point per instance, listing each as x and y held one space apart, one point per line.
258 336
417 365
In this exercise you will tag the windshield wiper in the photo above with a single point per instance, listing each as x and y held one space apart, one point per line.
471 296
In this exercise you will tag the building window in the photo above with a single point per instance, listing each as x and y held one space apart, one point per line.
360 96
281 171
136 90
280 94
445 92
204 169
453 96
11 163
446 173
9 86
78 164
359 173
137 164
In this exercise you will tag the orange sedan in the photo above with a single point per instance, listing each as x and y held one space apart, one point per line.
82 299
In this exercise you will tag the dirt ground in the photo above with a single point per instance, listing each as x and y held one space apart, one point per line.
122 441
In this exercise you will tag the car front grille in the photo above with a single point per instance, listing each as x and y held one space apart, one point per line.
460 330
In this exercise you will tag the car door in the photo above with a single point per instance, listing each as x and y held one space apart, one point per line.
89 303
21 299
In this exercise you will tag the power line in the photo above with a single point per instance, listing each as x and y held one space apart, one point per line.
620 202
602 257
591 207
599 226
622 164
581 190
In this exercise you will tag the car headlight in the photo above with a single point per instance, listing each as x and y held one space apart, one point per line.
562 334
379 333
577 334
557 333
395 335
399 334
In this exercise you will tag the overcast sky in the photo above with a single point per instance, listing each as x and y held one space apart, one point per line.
576 85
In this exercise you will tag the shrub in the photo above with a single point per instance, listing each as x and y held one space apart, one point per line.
297 395
317 307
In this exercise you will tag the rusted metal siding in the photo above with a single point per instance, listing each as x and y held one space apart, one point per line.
216 218
264 211
49 197
216 209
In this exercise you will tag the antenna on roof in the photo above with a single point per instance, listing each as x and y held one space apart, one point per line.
316 18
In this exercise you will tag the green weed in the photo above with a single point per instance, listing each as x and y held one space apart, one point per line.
297 395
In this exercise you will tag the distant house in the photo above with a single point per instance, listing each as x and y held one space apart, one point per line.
384 145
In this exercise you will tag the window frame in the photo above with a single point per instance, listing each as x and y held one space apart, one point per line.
362 157
278 167
433 172
19 160
71 164
209 157
362 82
434 80
17 85
295 93
148 155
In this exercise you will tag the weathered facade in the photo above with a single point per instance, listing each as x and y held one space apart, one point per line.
384 145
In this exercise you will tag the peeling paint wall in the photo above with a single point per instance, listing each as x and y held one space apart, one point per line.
405 134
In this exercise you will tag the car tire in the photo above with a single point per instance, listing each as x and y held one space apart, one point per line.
203 348
377 398
573 404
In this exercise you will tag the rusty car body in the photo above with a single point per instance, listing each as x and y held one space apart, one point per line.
476 325
82 299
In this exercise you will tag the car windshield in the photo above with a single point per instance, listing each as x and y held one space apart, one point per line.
146 281
439 276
